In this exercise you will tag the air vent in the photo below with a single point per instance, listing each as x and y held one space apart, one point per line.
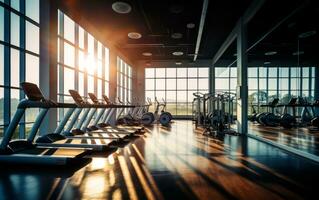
121 7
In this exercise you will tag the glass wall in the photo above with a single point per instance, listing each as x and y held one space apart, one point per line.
19 58
124 81
267 83
83 62
176 86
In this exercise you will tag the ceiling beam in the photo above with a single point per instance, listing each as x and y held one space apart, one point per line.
201 28
247 16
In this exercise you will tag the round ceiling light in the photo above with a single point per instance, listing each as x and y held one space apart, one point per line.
147 54
134 35
178 63
267 63
270 53
177 35
190 25
307 34
178 53
297 53
148 63
121 7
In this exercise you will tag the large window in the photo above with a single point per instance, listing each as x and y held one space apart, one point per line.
83 62
19 58
176 86
124 81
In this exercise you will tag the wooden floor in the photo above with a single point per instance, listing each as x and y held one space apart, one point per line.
176 163
298 138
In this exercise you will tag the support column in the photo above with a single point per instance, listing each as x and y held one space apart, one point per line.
242 86
113 80
138 86
48 59
211 79
316 86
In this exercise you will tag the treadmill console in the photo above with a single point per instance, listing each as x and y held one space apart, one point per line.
93 98
32 91
106 99
76 97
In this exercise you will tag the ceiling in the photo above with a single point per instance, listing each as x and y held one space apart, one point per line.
157 20
277 27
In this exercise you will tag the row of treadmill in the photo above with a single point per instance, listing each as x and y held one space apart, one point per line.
298 112
84 131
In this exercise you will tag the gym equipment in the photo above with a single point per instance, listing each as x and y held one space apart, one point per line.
214 112
25 151
160 113
58 140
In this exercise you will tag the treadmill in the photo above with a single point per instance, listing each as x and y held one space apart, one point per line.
58 140
117 111
81 130
25 151
109 112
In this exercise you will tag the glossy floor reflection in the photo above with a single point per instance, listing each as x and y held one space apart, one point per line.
176 163
298 138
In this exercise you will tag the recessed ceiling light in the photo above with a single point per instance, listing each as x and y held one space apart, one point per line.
307 34
134 35
267 63
177 35
178 63
147 54
270 53
176 8
297 53
178 53
121 7
190 25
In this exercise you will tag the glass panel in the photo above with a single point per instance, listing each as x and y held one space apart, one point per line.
106 88
171 96
99 88
90 84
32 37
262 72
15 71
32 69
171 72
15 4
15 29
99 50
233 72
272 84
192 72
203 84
160 95
262 84
221 72
149 72
181 96
272 72
1 110
171 84
1 64
68 55
1 23
252 72
221 84
160 84
15 94
305 71
160 73
182 72
31 114
82 60
81 37
107 64
252 84
32 9
203 72
181 84
283 72
283 84
81 83
68 80
69 28
90 44
99 69
192 84
233 84
149 84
